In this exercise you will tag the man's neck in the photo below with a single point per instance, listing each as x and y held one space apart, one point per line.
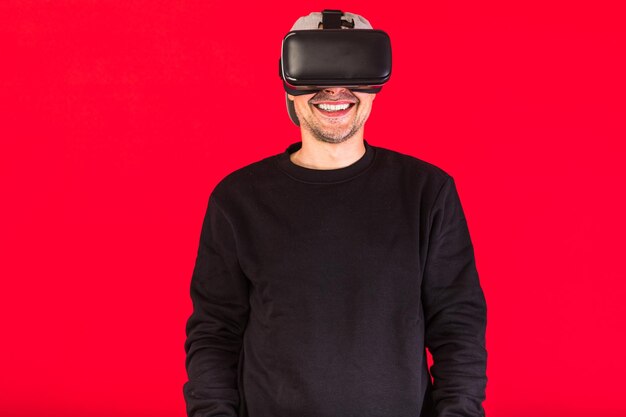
315 154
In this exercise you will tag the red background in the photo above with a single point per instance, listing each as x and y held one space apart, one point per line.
118 118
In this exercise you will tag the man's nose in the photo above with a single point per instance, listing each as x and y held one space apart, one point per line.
335 90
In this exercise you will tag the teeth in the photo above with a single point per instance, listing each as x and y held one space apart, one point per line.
333 107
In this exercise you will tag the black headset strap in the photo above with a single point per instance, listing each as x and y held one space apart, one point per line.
331 19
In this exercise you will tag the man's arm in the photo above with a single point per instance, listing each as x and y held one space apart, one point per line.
219 292
455 311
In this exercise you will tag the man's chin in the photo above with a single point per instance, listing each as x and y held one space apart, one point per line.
336 128
333 136
328 131
330 140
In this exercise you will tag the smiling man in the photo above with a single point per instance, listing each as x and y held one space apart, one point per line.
325 272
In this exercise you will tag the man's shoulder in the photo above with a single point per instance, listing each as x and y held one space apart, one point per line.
409 164
248 176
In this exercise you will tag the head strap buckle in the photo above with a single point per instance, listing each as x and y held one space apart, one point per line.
331 19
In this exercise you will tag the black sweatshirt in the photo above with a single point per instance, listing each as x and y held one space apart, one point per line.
315 293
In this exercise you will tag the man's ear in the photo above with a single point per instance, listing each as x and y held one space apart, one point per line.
290 97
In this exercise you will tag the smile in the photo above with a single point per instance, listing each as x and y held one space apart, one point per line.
333 107
334 110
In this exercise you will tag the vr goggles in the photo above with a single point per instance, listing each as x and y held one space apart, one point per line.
314 59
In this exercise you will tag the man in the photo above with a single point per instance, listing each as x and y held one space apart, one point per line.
324 272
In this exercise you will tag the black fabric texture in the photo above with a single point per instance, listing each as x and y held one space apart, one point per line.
316 292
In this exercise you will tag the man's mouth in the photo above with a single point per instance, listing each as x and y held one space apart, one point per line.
336 109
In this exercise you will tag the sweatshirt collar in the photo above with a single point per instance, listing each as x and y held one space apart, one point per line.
310 175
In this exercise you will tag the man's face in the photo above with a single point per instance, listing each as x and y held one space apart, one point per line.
333 115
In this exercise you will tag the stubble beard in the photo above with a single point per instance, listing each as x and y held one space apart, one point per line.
330 135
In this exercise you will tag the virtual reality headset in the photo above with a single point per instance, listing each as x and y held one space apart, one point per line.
314 59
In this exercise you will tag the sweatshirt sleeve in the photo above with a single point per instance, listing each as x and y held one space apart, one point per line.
455 311
219 293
